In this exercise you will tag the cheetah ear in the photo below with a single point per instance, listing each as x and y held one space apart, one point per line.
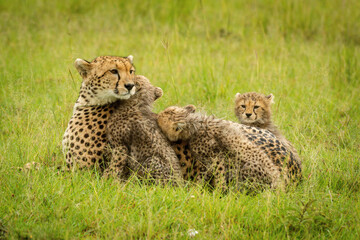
158 93
270 98
131 58
82 66
190 108
237 96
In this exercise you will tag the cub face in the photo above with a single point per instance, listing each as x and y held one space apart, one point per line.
172 122
253 108
147 92
107 78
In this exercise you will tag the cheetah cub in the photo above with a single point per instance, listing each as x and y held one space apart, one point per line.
254 109
224 154
136 141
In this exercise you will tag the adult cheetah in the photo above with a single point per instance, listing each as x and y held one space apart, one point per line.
104 80
137 142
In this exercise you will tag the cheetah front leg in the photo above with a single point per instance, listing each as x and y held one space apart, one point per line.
161 172
219 173
117 165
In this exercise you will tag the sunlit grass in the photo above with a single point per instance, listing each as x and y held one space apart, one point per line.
199 52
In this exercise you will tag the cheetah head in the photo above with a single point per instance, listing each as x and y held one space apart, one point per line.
253 108
174 124
145 91
106 79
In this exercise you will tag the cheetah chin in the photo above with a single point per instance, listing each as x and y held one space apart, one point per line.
126 95
112 96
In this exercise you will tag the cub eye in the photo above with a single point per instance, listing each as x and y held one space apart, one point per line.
114 71
256 107
132 71
243 106
177 129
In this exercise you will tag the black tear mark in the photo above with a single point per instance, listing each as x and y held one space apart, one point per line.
117 83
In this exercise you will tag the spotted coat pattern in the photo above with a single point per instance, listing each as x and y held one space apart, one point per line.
254 110
223 151
105 80
137 143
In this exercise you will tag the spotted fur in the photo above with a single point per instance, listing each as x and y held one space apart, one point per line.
227 152
187 162
137 143
104 80
254 110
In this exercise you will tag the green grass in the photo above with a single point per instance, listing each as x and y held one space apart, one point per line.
307 53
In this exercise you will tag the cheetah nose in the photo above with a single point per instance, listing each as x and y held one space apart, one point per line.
248 114
129 86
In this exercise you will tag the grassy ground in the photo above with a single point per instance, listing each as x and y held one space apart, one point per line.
201 52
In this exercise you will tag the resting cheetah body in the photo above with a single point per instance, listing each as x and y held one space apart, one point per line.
226 151
136 141
105 80
254 110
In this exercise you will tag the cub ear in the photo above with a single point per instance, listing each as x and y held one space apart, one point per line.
82 66
190 108
158 92
270 98
237 95
131 58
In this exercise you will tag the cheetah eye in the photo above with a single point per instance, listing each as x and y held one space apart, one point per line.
256 107
132 71
114 71
177 129
243 106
